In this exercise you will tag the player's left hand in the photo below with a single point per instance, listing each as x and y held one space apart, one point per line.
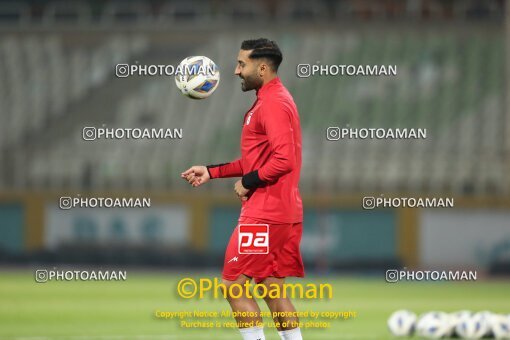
241 191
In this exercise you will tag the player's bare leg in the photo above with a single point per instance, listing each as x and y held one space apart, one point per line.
287 325
250 325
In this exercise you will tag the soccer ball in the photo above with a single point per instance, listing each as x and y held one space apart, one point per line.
402 322
434 325
474 327
197 77
500 326
456 318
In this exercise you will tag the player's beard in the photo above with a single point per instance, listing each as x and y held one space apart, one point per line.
250 82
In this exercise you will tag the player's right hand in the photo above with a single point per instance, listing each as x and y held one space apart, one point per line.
196 175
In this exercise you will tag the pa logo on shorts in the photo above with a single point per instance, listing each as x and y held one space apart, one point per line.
253 238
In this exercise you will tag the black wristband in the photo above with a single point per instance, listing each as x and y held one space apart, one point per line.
252 180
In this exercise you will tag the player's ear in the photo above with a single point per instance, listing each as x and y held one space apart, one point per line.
262 69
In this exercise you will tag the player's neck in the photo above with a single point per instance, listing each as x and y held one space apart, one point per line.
269 78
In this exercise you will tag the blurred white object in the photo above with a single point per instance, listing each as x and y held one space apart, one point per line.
475 326
456 318
500 326
402 323
433 325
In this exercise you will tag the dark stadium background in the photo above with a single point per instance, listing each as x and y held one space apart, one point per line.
57 76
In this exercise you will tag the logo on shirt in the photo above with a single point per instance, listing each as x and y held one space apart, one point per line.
235 258
253 238
249 118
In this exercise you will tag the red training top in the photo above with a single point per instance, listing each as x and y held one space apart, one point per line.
271 144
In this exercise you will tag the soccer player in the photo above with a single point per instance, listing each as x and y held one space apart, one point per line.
269 168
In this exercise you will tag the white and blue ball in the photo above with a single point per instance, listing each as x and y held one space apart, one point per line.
474 327
402 323
500 326
456 318
197 77
434 325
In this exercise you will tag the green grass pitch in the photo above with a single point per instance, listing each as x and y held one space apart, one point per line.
125 309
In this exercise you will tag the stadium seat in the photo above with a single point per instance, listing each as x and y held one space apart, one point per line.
433 91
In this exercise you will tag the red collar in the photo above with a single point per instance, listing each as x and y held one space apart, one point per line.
268 86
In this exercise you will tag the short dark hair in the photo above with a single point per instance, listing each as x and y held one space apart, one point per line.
264 49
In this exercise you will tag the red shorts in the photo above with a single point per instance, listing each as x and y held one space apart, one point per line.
279 257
